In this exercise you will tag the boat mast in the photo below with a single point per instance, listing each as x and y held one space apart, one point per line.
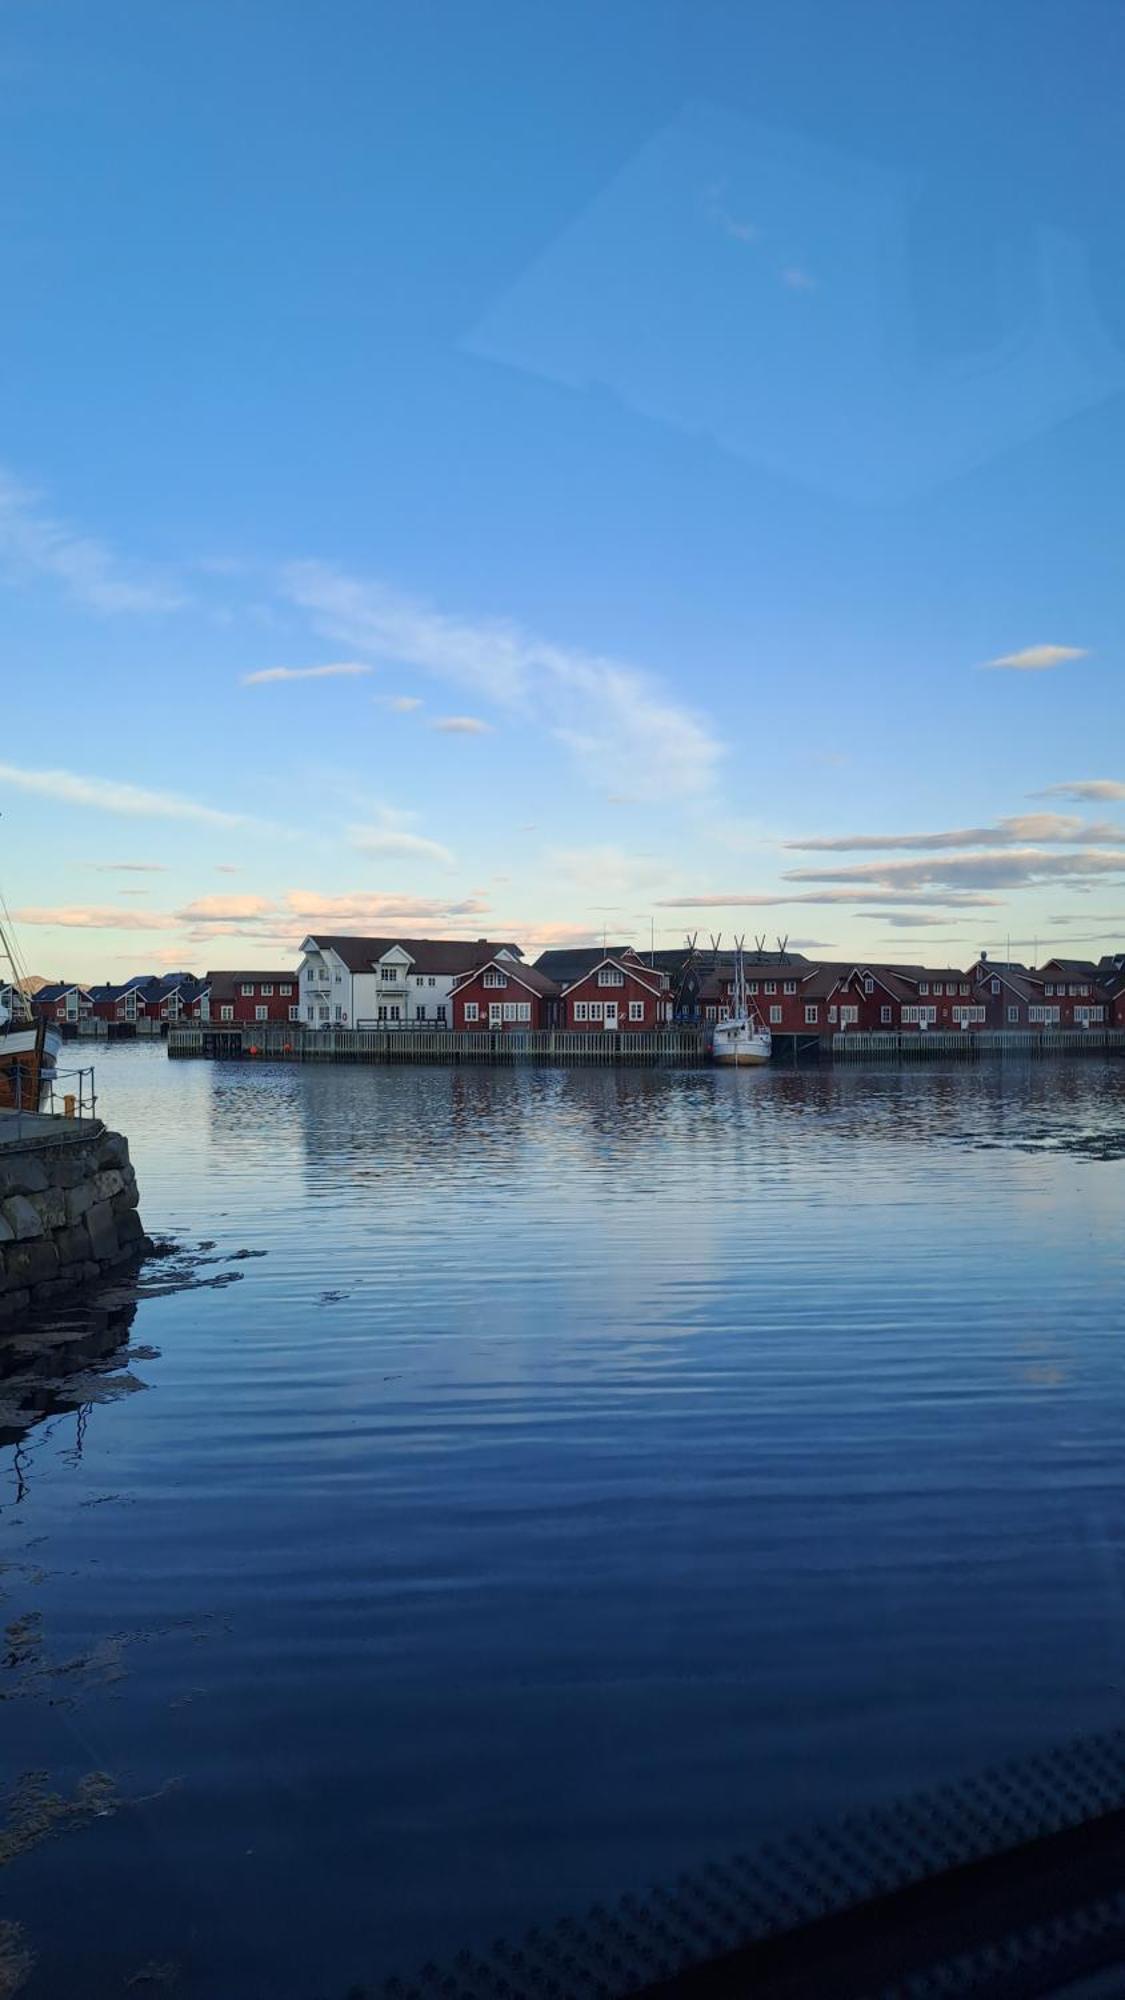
739 995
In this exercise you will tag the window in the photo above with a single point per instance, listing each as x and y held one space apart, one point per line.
923 986
441 1013
771 986
832 1014
388 972
636 1010
509 1009
775 1017
994 986
1083 990
1087 1015
396 1011
339 979
226 1013
1045 1017
420 1012
263 1013
963 1015
1014 1014
323 1011
752 988
812 1015
1048 990
868 984
380 1013
494 978
294 1013
581 1011
284 991
523 1010
608 975
885 1016
339 1012
267 992
848 1015
790 986
248 992
918 1017
939 989
472 1011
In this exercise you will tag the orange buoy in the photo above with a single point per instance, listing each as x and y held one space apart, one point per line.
253 1050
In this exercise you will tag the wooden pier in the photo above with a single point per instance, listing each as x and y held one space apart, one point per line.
670 1047
968 1045
280 1042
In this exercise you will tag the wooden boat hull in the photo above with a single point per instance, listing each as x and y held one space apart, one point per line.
27 1063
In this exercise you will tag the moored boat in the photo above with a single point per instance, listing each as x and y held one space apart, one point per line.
29 1048
742 1039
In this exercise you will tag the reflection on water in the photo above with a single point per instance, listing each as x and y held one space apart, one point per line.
598 1469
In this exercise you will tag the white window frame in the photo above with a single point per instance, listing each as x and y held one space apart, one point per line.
886 1017
266 992
294 1013
494 978
918 1017
637 1010
261 1013
775 1015
812 1014
226 1011
610 975
247 991
1044 1017
472 1011
968 1015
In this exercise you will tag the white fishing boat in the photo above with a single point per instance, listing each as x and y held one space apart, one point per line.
742 1039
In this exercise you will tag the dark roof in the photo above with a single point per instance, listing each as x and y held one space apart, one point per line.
222 984
53 993
570 962
437 955
524 975
1071 968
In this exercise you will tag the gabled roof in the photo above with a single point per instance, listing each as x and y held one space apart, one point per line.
1071 968
221 985
523 975
627 963
50 995
569 963
447 956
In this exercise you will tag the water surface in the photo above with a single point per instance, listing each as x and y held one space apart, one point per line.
598 1470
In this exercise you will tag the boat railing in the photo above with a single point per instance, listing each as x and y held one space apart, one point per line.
71 1093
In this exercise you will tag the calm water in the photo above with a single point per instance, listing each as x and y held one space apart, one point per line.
597 1470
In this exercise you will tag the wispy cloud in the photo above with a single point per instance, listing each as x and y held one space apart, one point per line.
461 725
797 278
227 868
391 843
1084 788
1019 867
33 544
336 670
621 727
127 867
75 916
862 893
107 795
1048 827
400 704
738 227
1037 659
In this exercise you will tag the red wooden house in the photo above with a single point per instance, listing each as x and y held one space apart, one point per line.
619 993
504 994
63 1003
252 996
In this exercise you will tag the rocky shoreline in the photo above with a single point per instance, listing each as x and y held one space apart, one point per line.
68 1215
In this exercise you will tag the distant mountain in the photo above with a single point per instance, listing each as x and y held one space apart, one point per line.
33 982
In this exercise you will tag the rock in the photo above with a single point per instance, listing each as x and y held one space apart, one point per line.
102 1225
130 1230
27 1176
7 1233
23 1220
33 1263
127 1199
109 1183
73 1244
14 1302
113 1151
51 1207
78 1201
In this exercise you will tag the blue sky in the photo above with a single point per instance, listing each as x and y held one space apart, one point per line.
654 424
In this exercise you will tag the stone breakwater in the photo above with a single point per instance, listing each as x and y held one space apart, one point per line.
68 1214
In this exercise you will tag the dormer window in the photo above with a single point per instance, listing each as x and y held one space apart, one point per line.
868 983
924 986
609 975
388 972
493 977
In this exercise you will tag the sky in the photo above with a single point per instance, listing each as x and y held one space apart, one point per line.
559 473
